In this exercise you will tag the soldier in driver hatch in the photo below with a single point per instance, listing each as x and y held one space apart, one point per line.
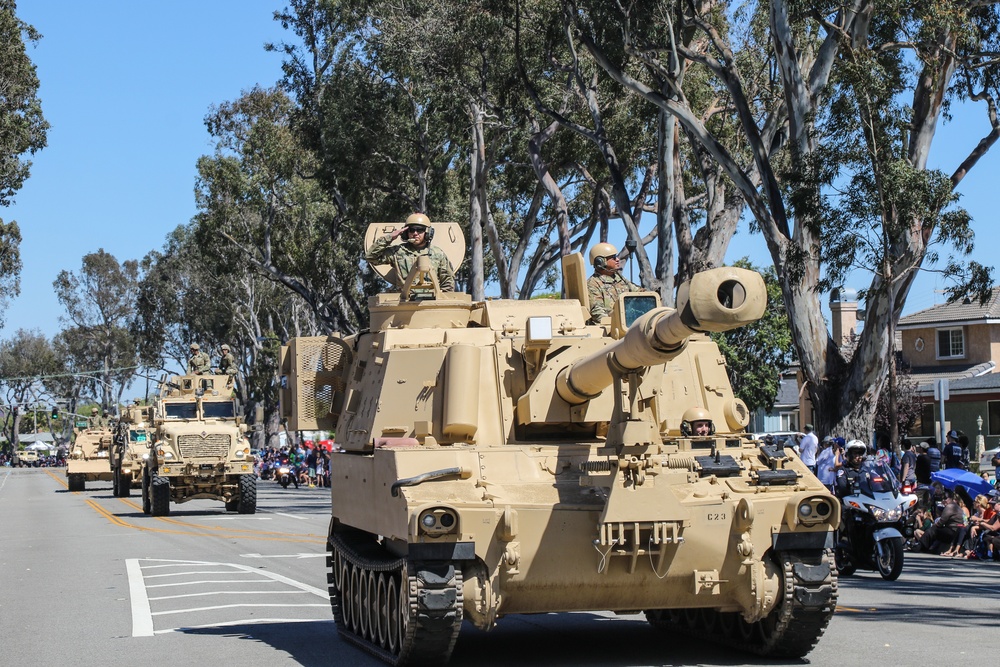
199 362
607 282
227 364
403 257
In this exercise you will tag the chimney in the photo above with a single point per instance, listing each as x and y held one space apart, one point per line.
844 313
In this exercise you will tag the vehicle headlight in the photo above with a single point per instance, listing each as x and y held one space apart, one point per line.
883 515
438 521
240 453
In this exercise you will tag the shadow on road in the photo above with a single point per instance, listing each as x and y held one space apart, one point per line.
560 640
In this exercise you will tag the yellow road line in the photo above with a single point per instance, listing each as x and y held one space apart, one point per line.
57 478
230 531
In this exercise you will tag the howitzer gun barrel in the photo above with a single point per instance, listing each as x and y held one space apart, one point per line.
716 300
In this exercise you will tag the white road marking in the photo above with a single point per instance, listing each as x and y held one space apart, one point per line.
206 593
142 618
142 614
230 606
291 516
210 581
186 573
299 555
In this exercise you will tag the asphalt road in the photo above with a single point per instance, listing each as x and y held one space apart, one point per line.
87 579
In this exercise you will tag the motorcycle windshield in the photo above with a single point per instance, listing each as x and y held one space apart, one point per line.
876 477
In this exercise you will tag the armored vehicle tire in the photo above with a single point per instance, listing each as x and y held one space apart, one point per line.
146 505
115 479
75 482
247 502
791 630
890 566
124 486
404 612
159 496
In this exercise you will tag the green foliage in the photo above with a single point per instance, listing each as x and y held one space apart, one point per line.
757 354
23 358
22 132
99 301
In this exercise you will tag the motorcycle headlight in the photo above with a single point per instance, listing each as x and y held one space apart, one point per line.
883 515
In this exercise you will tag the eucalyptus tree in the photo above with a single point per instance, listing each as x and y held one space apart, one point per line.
99 300
875 77
23 131
25 358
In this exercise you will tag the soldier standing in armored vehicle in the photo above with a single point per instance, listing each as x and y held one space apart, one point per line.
403 257
227 364
607 282
199 362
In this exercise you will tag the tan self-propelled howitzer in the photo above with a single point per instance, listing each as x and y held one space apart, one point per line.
506 457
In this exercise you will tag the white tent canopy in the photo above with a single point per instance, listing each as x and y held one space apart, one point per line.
40 447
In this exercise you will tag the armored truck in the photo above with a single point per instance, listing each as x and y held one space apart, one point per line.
89 458
129 448
199 447
508 457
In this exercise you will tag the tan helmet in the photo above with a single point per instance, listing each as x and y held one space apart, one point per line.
418 219
195 347
696 414
225 348
93 411
601 250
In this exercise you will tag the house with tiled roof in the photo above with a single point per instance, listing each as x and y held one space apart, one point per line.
958 342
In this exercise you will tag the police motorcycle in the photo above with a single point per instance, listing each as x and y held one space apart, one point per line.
874 514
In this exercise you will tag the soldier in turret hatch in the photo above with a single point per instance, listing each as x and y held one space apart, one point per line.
227 364
607 282
418 235
199 362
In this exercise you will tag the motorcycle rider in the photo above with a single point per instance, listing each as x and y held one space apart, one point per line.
854 455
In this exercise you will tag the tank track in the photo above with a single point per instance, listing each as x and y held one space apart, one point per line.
401 611
809 599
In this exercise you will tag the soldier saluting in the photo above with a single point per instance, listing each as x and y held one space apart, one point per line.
403 257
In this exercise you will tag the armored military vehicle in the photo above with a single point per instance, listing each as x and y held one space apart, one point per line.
129 447
88 458
199 448
507 457
25 458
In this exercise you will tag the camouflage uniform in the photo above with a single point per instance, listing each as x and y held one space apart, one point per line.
403 258
604 291
199 363
227 364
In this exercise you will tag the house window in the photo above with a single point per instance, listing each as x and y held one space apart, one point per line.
950 343
993 407
789 421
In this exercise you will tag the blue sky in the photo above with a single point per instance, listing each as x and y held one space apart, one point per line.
126 86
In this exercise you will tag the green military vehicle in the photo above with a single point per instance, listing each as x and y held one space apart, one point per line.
507 457
198 448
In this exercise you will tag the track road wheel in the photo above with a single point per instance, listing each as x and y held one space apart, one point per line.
159 496
890 563
146 504
247 502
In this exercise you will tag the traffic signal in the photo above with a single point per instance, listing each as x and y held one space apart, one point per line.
55 413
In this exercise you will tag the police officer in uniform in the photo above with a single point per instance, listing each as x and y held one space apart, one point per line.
199 362
403 257
607 282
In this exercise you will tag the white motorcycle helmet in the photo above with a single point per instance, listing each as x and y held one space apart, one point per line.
855 447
